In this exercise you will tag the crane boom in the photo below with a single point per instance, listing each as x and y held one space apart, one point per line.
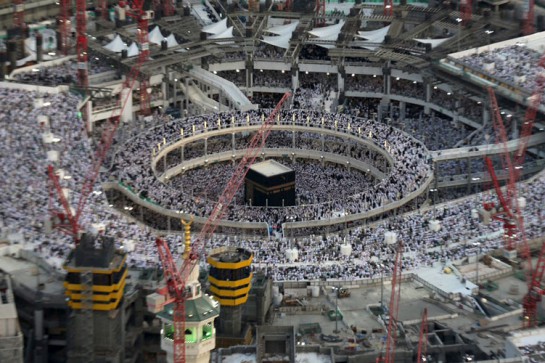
513 219
220 208
395 297
108 135
423 338
176 278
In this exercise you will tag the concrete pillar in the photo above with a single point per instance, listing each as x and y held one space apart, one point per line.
233 142
386 72
429 90
340 78
486 114
295 77
126 94
402 110
206 146
293 139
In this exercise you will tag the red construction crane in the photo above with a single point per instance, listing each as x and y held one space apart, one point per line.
529 27
320 12
466 10
168 8
176 278
81 43
389 7
64 25
393 310
423 338
103 7
18 14
69 220
510 213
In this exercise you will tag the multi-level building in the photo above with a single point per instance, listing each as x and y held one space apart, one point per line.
11 337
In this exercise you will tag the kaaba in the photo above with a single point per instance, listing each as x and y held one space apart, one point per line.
270 183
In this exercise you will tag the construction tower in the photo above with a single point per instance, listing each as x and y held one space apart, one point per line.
94 286
230 280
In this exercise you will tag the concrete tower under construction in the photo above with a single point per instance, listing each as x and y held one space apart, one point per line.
94 287
230 280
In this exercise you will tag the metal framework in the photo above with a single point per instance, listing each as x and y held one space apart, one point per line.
510 213
466 9
423 338
81 43
389 7
18 14
168 8
320 12
143 56
393 310
529 26
103 6
176 278
72 218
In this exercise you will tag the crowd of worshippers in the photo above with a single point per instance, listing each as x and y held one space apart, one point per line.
310 189
64 73
132 168
25 206
516 64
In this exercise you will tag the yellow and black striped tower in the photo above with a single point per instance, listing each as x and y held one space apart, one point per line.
230 280
96 274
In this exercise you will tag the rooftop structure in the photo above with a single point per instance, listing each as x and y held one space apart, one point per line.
11 337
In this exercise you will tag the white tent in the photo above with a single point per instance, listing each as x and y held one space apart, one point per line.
330 41
327 31
434 42
171 41
375 36
281 41
227 33
116 45
283 29
216 28
155 36
133 51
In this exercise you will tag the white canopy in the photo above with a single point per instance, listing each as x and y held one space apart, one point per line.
155 36
280 41
434 42
327 31
329 44
116 45
171 41
133 51
227 33
375 36
216 28
283 29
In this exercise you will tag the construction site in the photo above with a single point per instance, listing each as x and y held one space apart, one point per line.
272 181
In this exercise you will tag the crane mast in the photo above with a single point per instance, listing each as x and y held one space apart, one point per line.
176 278
423 338
510 213
107 136
393 309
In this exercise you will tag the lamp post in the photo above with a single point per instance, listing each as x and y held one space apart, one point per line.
336 291
459 20
381 289
488 33
478 245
